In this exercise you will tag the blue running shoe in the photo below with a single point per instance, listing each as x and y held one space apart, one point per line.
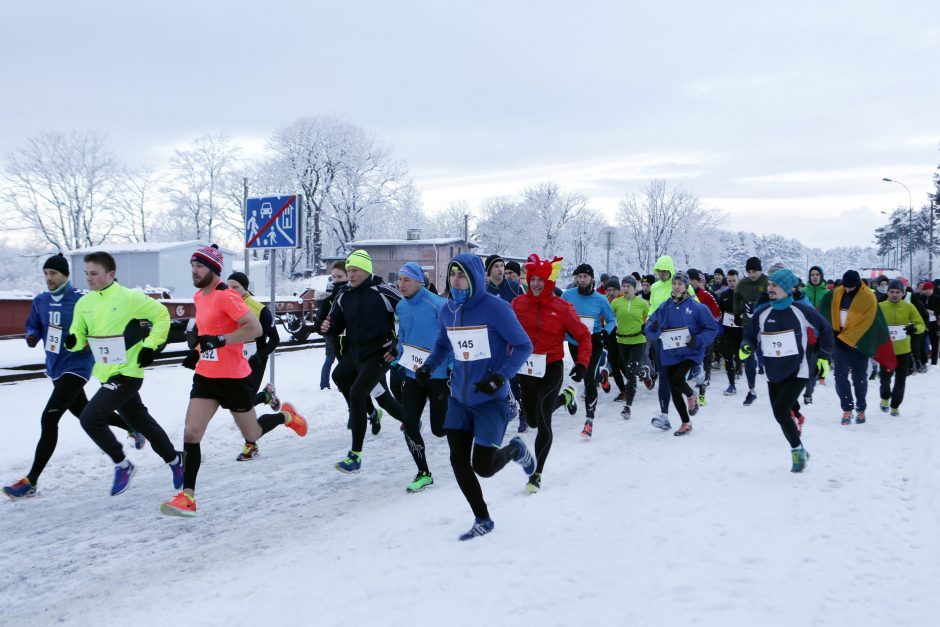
21 489
122 477
137 438
525 457
481 527
177 468
351 464
731 391
749 399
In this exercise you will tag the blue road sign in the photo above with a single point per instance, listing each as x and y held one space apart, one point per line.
273 221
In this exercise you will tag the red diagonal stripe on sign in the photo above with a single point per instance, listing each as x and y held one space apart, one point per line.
264 228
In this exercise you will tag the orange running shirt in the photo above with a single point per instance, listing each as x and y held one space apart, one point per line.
216 314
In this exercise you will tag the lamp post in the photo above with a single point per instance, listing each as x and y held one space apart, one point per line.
910 223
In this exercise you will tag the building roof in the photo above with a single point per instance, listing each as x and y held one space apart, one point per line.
146 247
440 241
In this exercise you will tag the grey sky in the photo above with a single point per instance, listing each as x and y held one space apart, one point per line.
785 115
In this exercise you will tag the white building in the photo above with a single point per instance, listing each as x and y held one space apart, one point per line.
154 264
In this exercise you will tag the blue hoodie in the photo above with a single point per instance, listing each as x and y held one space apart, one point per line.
686 313
418 325
57 309
509 343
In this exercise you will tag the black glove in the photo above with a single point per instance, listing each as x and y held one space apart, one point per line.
578 372
423 375
70 341
145 357
32 340
191 359
209 342
653 326
604 335
490 384
737 320
254 360
909 329
693 342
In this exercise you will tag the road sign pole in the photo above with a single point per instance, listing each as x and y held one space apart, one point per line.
245 216
273 260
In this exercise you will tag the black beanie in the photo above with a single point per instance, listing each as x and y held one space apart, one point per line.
513 266
851 279
896 284
57 262
240 278
719 271
612 284
491 260
584 268
695 275
753 263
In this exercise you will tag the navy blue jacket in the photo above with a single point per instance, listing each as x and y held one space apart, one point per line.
810 329
507 290
687 313
57 310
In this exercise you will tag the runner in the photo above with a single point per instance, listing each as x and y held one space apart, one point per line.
365 313
684 328
932 305
903 323
481 334
731 333
814 290
786 330
418 315
614 366
332 345
223 376
108 319
497 282
699 284
861 333
51 312
746 295
513 272
631 312
546 319
595 313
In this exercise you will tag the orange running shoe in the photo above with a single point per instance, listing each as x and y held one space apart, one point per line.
294 420
180 505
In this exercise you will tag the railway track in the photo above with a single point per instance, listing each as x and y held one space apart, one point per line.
165 358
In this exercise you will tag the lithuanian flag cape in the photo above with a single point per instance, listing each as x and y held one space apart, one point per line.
865 328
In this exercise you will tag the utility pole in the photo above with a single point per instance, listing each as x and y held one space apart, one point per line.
245 216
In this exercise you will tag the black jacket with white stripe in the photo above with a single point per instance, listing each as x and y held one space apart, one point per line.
366 313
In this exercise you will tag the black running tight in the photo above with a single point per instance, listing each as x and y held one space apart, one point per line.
679 386
469 460
540 399
783 398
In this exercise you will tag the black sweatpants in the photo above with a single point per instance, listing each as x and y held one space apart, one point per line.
631 355
413 399
900 379
121 393
679 386
540 398
68 393
356 377
616 365
590 379
469 460
784 396
730 343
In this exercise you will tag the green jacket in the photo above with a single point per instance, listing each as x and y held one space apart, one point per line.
902 313
117 310
661 291
815 293
631 315
746 295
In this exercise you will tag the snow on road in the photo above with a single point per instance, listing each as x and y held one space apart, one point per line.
633 528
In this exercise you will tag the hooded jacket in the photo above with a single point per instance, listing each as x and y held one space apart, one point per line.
689 314
815 293
546 319
508 342
418 326
661 291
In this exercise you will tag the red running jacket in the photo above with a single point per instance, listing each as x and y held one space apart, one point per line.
546 319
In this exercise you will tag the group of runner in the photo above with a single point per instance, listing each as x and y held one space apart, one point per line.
492 347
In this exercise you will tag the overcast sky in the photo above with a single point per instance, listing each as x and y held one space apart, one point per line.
786 115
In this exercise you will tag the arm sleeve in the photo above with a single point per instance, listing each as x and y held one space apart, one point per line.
655 316
738 308
751 329
709 327
34 322
442 351
826 339
79 328
337 317
917 320
147 308
610 320
271 337
580 333
509 327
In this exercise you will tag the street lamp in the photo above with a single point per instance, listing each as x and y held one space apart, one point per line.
910 222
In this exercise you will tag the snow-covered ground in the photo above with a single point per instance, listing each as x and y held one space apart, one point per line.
636 527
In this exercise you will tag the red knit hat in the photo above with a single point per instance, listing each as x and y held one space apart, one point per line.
210 257
928 285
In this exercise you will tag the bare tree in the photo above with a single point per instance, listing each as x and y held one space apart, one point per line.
550 210
58 185
498 231
200 176
450 222
658 216
136 193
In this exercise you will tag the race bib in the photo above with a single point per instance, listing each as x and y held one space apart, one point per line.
588 321
897 332
412 357
728 320
377 391
249 349
675 338
843 315
534 366
932 317
210 355
53 339
781 344
469 343
108 350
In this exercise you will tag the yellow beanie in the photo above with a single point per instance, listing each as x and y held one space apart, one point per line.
359 259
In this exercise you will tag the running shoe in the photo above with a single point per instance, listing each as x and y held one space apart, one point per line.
249 452
749 399
571 400
760 371
351 463
800 456
859 417
620 397
534 484
293 420
873 375
271 399
702 401
20 490
375 419
588 429
137 438
523 427
685 429
692 403
180 505
422 481
605 380
895 412
524 456
661 421
647 378
730 391
122 477
807 399
626 412
846 418
886 405
481 527
176 467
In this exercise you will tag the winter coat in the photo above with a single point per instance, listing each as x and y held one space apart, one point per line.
901 314
812 335
689 314
367 314
509 345
661 291
547 319
507 290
